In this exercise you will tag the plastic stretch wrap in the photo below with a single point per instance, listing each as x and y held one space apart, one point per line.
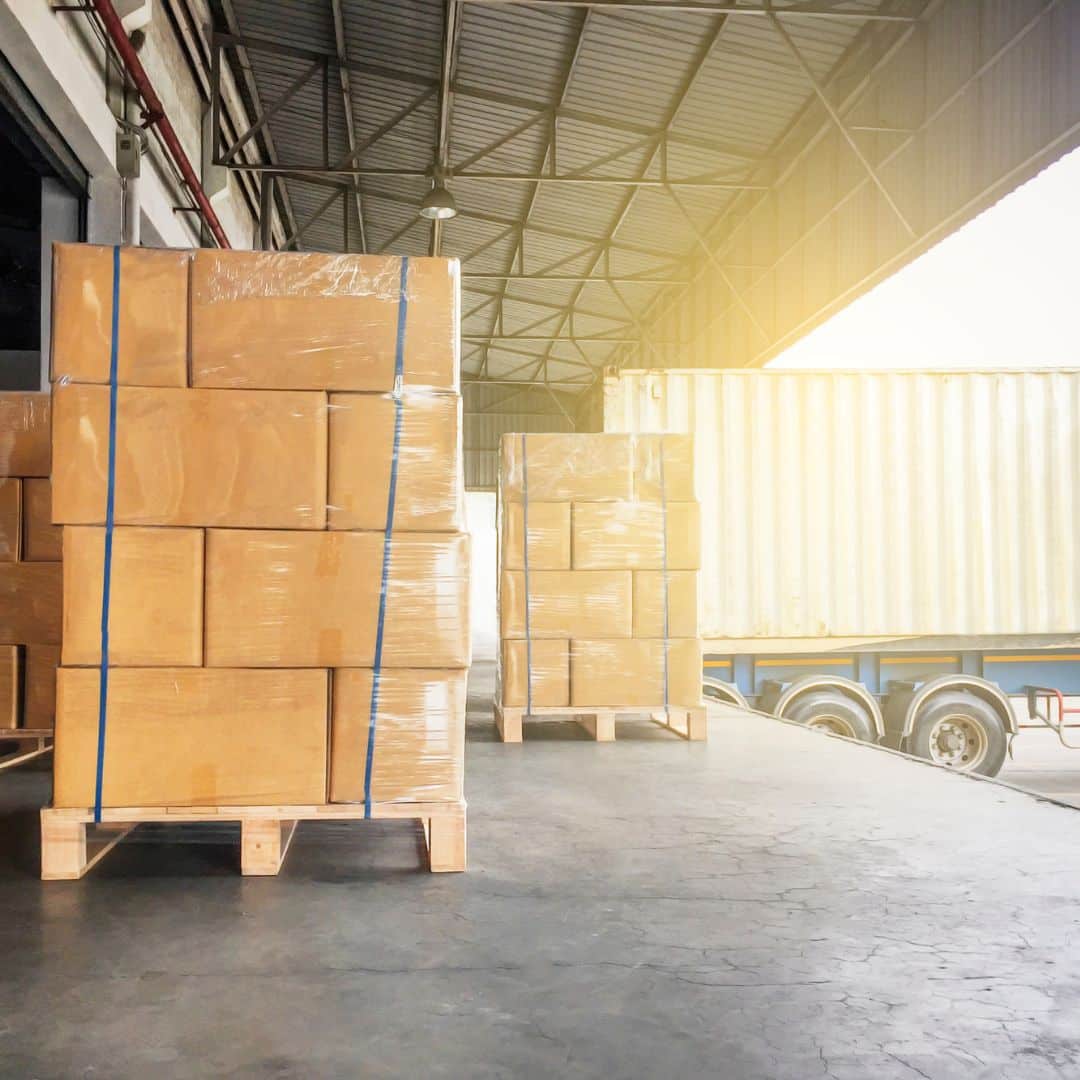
430 493
152 343
193 737
25 424
420 738
288 514
295 599
322 322
254 459
41 540
603 610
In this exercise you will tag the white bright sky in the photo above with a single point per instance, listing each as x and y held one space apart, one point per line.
1002 291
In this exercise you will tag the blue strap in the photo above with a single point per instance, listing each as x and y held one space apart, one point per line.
388 535
663 550
525 563
110 508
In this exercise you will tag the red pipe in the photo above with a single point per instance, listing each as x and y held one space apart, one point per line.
154 114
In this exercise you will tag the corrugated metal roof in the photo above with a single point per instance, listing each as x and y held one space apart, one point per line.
724 89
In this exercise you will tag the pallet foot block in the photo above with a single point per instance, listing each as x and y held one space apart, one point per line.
264 844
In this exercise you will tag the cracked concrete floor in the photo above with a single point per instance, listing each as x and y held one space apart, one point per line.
776 905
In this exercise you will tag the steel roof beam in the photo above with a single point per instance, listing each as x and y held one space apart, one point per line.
708 7
697 65
346 100
600 279
836 118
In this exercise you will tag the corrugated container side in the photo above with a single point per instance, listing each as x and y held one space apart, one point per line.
876 504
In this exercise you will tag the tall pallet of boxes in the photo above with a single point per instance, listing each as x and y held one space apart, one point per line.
599 550
30 580
258 469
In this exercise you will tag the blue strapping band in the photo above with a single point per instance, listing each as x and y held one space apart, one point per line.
663 549
110 513
525 564
376 667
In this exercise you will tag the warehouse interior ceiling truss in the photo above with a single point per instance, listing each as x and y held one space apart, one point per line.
601 155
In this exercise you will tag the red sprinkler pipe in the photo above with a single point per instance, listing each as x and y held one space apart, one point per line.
154 115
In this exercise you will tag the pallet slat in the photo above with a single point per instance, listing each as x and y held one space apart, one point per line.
41 740
688 722
71 844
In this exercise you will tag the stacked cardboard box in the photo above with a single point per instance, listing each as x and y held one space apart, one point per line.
30 577
603 611
280 591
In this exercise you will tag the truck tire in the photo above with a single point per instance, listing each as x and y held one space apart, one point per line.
829 710
962 732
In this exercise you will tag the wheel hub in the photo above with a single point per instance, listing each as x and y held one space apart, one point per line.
835 724
957 741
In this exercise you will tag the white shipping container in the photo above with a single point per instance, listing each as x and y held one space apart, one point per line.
877 504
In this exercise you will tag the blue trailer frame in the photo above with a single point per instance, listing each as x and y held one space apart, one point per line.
893 681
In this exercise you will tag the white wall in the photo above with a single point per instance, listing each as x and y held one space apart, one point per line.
480 506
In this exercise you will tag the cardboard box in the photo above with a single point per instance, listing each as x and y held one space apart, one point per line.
419 751
548 674
311 599
10 520
675 482
193 737
632 672
25 424
30 603
39 685
430 489
610 535
562 467
42 540
242 458
682 589
283 320
549 536
155 596
152 346
566 603
9 686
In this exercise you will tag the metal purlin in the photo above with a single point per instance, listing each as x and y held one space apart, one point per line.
110 514
664 564
388 533
525 564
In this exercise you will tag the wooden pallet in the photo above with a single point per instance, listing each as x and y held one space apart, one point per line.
33 742
71 843
688 722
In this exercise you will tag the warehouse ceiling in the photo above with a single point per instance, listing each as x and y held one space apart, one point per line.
590 147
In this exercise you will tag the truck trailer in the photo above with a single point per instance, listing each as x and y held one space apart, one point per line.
889 556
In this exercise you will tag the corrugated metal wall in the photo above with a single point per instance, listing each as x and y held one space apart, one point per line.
487 415
977 98
885 503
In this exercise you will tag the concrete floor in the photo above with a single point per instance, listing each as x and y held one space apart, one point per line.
776 904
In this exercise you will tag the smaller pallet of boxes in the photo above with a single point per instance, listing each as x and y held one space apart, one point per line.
257 463
30 579
599 551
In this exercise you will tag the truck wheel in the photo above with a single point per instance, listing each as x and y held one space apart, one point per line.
962 732
829 710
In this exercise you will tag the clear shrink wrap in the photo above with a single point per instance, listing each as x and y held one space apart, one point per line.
25 425
42 541
419 749
631 535
152 336
242 458
599 548
312 599
155 596
430 486
323 322
288 515
566 603
193 737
